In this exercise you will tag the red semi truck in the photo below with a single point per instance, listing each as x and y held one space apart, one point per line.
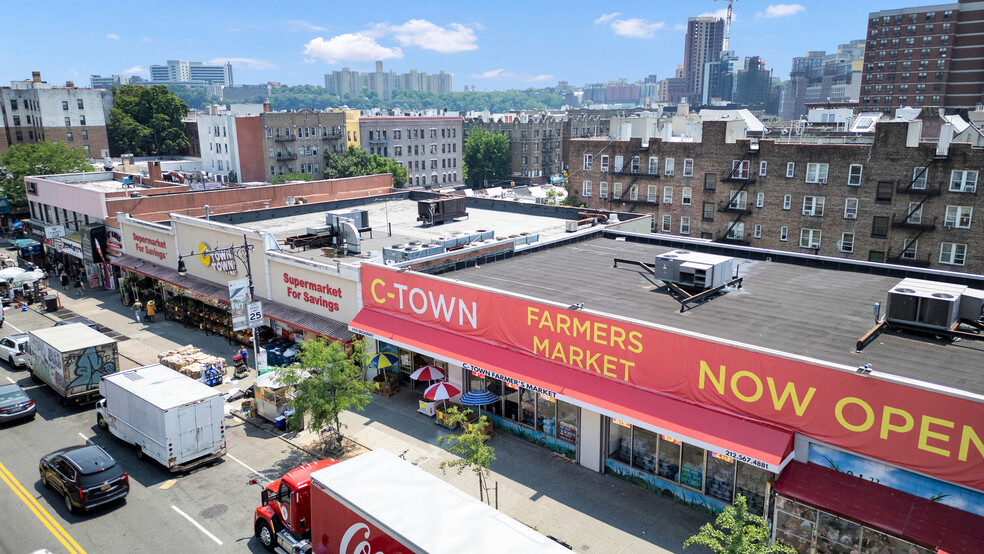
379 503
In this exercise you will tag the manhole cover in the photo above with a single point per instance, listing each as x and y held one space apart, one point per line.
214 511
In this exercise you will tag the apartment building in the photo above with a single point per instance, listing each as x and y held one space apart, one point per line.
430 148
705 40
383 83
34 111
181 71
924 56
535 144
897 200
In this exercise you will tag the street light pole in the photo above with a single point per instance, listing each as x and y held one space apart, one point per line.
252 296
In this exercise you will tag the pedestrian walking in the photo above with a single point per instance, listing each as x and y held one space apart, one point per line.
78 285
137 309
151 310
64 279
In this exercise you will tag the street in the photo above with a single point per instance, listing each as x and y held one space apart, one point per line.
208 509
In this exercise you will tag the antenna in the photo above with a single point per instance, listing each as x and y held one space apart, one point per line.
727 26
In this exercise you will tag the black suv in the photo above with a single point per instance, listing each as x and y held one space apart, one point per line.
86 476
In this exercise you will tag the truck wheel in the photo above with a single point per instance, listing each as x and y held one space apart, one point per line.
140 453
266 536
101 422
34 377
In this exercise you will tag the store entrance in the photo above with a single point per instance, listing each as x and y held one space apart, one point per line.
412 361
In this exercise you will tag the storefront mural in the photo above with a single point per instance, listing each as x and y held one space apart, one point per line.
923 430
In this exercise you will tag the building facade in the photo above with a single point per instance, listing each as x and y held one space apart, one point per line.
822 77
535 145
924 56
181 71
383 84
430 148
705 39
897 200
34 111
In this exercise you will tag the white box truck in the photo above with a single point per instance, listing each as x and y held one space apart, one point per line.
72 359
169 417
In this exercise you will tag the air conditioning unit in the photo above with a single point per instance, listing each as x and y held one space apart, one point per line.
692 269
932 304
571 226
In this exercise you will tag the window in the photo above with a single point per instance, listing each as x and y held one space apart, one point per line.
910 248
846 243
85 134
68 137
879 227
667 195
687 193
618 164
958 216
604 164
617 190
850 208
854 175
737 200
739 170
651 193
587 161
963 181
736 231
13 104
758 231
653 165
708 214
813 205
914 215
668 167
762 168
790 169
16 120
884 193
809 238
787 202
65 105
919 177
635 164
688 167
634 193
710 182
667 224
68 121
760 200
684 225
586 189
816 173
603 189
784 233
952 253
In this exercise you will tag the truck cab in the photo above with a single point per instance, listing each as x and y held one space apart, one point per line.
283 518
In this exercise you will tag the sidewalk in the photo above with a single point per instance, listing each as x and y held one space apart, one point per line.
587 510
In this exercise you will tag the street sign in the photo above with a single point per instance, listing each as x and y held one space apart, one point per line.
254 317
261 361
239 297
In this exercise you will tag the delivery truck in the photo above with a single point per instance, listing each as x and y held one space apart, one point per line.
379 503
72 359
167 416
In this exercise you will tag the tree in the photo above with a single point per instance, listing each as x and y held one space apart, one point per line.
469 445
281 179
328 380
43 158
355 162
233 176
391 166
146 121
735 531
486 153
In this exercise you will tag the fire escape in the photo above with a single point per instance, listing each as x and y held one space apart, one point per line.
913 220
626 196
738 202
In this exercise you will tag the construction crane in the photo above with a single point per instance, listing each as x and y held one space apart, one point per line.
727 25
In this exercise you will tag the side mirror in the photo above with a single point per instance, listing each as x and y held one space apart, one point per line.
251 482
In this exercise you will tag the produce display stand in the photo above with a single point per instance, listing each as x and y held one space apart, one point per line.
385 384
191 361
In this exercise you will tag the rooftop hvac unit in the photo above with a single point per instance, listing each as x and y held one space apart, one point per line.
359 218
692 269
931 304
571 226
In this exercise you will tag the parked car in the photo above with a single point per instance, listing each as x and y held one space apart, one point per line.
15 404
79 319
86 476
12 350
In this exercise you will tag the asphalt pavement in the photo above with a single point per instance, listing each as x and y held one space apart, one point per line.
587 510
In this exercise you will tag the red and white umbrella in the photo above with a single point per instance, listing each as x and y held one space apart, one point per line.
441 391
427 373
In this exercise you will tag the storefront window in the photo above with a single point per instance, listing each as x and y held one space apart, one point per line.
620 442
692 471
669 458
720 477
566 422
511 401
496 388
476 381
527 412
644 449
836 535
752 483
873 541
546 415
794 524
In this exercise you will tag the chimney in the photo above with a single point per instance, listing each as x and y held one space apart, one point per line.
36 76
154 171
69 84
266 106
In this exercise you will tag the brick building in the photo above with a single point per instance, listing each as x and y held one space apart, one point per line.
429 148
34 111
535 144
705 40
924 56
897 200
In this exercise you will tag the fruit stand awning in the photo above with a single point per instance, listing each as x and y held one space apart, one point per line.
747 440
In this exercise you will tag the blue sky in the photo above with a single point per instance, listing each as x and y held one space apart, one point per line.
492 45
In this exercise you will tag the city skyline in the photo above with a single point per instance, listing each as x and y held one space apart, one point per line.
488 47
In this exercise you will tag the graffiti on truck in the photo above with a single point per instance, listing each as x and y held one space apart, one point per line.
89 366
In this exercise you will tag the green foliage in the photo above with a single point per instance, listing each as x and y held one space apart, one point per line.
146 121
486 155
195 98
281 179
233 176
469 444
735 531
355 162
43 158
391 166
328 380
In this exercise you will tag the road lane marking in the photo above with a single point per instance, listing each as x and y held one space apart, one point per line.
15 327
84 438
11 380
168 484
233 458
53 526
196 524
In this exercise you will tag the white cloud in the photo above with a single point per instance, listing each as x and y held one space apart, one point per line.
636 27
429 36
606 18
251 63
145 39
490 74
113 36
135 69
306 25
781 10
73 72
720 14
679 27
504 74
350 46
540 77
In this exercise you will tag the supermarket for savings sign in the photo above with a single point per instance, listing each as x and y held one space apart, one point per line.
923 430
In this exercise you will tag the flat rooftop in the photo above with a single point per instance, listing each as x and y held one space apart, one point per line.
400 217
108 186
819 313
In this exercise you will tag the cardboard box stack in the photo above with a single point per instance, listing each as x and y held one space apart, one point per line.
190 361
